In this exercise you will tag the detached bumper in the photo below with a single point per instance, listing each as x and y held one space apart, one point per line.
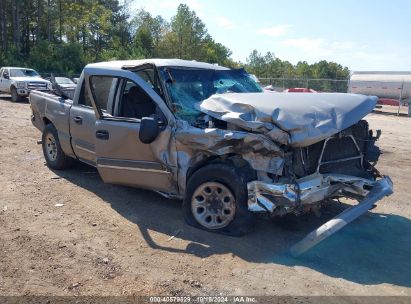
278 199
274 198
382 188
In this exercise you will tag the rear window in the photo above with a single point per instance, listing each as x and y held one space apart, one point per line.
84 98
101 86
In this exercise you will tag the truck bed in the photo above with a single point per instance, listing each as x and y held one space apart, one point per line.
49 107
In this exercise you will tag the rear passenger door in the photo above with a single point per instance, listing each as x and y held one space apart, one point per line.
82 126
121 157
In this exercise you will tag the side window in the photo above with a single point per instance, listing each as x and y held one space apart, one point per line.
101 87
134 102
3 72
150 77
84 98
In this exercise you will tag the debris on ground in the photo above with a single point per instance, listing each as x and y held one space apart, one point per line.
192 283
177 232
75 285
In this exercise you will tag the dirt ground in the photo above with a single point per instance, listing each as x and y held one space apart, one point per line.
68 233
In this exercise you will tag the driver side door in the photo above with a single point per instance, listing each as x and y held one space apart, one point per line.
5 82
121 157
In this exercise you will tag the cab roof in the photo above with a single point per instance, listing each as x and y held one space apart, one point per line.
157 62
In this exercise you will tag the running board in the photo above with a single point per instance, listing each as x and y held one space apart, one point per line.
382 188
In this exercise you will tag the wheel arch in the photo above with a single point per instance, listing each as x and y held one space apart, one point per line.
234 160
47 121
224 169
65 144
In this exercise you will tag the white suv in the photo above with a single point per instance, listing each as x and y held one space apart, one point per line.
20 81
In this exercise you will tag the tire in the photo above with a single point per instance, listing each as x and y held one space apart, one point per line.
14 96
223 207
53 154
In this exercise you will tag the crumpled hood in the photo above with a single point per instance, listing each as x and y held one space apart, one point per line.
296 119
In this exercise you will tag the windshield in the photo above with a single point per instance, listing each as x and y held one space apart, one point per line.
187 87
23 73
63 80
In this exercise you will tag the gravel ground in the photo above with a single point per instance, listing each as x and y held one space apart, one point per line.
68 233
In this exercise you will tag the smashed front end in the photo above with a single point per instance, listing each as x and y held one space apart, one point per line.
342 165
328 153
339 166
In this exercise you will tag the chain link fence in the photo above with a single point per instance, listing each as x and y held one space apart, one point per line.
47 75
320 85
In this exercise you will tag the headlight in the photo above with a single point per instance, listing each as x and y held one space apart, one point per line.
49 86
20 84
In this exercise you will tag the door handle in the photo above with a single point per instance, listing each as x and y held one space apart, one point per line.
102 134
78 119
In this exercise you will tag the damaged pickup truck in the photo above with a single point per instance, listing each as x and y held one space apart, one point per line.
209 135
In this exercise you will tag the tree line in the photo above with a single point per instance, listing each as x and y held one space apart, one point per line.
62 36
321 76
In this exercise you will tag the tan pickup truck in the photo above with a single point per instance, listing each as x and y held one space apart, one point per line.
209 135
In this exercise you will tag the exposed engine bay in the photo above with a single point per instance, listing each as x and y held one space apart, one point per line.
339 166
351 152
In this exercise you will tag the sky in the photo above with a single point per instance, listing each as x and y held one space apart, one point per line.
359 34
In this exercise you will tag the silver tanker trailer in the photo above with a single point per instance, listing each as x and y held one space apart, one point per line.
390 85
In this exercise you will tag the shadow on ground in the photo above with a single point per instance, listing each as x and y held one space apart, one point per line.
374 249
382 112
6 97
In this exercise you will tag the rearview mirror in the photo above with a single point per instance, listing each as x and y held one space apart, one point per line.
148 129
6 76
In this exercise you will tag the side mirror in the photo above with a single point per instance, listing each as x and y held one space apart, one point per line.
148 129
6 76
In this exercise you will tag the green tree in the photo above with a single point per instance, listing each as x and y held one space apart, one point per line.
188 34
62 36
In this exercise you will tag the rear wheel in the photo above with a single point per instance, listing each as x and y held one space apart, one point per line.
53 154
216 200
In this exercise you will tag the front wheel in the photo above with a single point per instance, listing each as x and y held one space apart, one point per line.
14 96
216 200
53 154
